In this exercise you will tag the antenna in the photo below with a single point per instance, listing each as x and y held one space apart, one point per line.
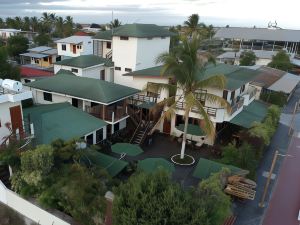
112 22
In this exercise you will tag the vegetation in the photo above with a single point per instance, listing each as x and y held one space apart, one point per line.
115 23
281 61
42 39
54 176
155 199
188 68
247 58
8 71
17 45
276 98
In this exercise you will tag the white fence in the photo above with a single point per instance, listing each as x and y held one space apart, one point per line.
28 209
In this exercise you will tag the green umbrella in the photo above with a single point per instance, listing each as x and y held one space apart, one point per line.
192 129
151 164
128 149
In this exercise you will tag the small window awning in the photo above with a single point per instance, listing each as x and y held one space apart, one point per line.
255 112
112 165
206 167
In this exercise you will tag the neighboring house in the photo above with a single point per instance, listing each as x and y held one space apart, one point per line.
11 95
63 121
74 46
7 33
42 56
30 73
265 40
238 94
133 47
87 66
105 100
262 57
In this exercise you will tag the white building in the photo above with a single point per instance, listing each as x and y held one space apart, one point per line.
7 33
87 66
133 47
11 114
74 46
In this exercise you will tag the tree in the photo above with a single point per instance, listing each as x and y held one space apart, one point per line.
248 58
34 23
281 61
193 27
115 23
7 71
17 45
42 39
192 23
188 69
68 26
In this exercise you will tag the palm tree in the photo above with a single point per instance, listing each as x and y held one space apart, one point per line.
188 69
115 23
26 23
34 22
192 22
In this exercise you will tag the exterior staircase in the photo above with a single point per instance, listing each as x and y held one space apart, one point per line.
109 55
141 132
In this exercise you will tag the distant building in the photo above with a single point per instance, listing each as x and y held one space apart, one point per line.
74 46
31 73
7 33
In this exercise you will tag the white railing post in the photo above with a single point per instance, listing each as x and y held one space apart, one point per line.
112 122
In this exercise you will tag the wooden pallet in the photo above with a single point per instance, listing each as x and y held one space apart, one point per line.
240 191
230 220
243 181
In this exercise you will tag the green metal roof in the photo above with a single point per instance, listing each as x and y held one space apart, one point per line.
83 87
112 165
147 105
128 149
192 129
135 30
206 167
104 35
60 120
255 112
85 61
236 76
150 165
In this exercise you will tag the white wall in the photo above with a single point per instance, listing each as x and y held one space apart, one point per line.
87 48
28 209
141 82
149 50
38 98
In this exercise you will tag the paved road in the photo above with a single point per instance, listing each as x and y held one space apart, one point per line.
285 203
248 212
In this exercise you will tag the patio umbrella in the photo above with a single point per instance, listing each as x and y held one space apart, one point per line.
192 129
128 149
151 164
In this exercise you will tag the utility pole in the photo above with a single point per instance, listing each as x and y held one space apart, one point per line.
293 118
262 202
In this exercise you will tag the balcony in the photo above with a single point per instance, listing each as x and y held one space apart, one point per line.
144 98
108 113
209 110
237 104
249 95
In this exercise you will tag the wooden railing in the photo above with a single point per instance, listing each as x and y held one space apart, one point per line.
209 110
107 114
144 98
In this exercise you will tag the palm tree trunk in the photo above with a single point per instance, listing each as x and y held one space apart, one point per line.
186 121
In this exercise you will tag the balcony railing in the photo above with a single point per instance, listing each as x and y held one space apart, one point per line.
106 113
209 110
144 98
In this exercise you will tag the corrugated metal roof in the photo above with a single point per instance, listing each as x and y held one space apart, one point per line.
267 76
50 52
39 49
258 53
34 55
258 34
74 39
60 120
285 84
85 88
85 61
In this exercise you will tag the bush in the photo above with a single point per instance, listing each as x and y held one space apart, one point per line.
275 98
248 58
281 61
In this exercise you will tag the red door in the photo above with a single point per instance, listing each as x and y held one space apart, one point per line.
74 49
16 118
167 126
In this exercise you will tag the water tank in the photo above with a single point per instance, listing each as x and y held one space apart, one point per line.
12 85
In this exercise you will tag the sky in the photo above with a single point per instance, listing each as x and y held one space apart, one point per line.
246 13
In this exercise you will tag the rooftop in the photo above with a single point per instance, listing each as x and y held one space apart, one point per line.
258 34
85 61
60 120
39 49
267 76
91 89
262 54
135 30
74 39
286 83
29 72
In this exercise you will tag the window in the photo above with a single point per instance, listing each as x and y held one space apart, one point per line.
73 70
63 47
27 80
149 38
123 38
163 37
99 135
242 89
45 59
36 61
116 127
117 68
102 75
225 94
47 96
232 95
108 45
128 70
79 46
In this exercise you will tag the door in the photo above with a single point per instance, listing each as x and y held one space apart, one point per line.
74 49
167 126
75 102
16 118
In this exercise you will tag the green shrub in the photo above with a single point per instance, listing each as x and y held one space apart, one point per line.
275 98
